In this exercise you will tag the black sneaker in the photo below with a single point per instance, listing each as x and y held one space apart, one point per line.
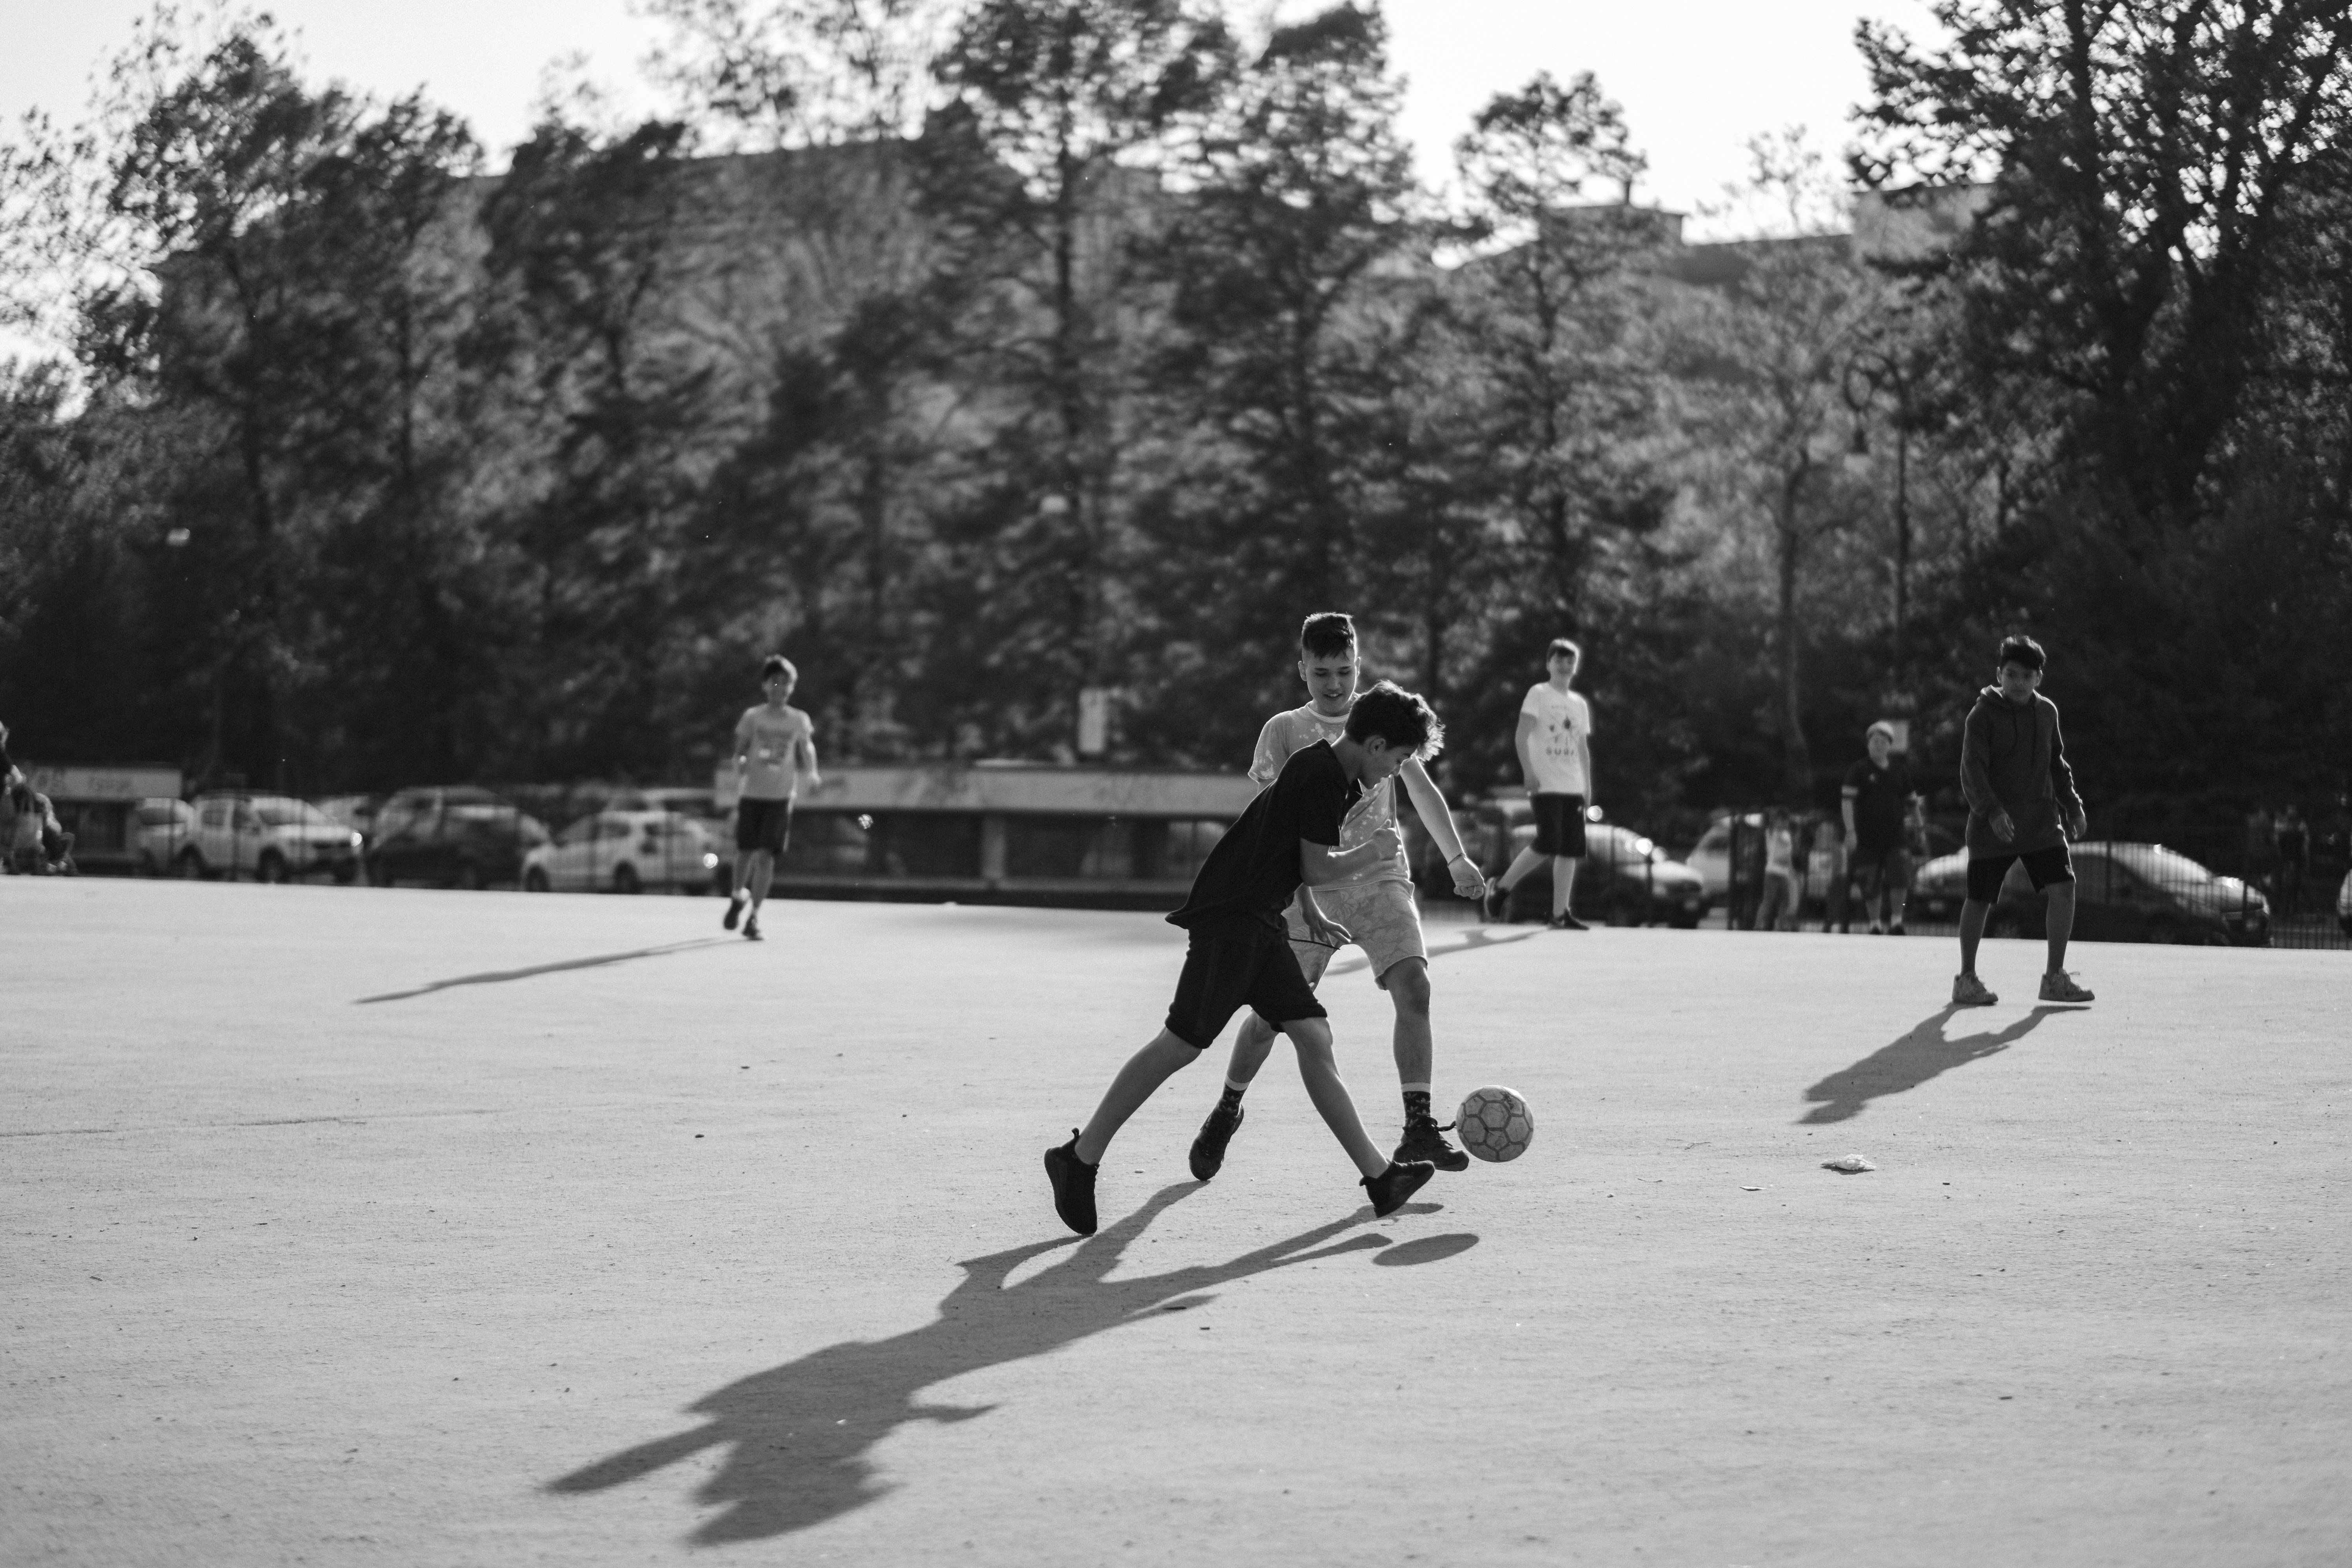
734 913
1494 909
752 929
1566 921
1073 1186
1393 1187
1209 1147
1424 1140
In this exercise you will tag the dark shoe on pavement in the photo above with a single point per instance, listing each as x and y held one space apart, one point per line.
1424 1140
1073 1186
752 929
1209 1146
1391 1187
734 914
1566 921
1495 907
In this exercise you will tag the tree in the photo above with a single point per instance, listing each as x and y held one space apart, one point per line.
1766 362
1034 174
2147 163
1297 195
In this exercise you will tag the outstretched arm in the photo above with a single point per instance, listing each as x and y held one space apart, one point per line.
1430 801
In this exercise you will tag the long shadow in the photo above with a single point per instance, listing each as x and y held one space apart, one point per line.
800 1434
499 976
1922 1053
1477 937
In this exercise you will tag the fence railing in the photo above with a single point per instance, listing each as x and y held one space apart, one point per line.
2134 881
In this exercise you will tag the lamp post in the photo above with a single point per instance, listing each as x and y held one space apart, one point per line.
1879 372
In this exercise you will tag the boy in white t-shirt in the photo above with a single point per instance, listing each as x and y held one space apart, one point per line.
1555 747
1375 910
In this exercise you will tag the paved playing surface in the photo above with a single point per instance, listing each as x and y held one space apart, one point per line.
405 1227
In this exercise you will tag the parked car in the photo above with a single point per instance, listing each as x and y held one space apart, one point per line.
2123 892
270 838
717 822
625 851
456 835
160 829
2344 904
1626 879
1711 855
356 812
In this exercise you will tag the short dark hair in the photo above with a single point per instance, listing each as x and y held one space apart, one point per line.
1325 633
1562 645
1399 717
2018 648
776 664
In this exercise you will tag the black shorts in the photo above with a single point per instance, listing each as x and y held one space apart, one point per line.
1559 823
2044 866
763 824
1236 963
1877 868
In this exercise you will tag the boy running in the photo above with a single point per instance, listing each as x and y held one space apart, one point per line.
2022 807
1876 802
1555 745
1375 907
772 743
1239 954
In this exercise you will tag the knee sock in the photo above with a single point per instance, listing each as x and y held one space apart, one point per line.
1416 1104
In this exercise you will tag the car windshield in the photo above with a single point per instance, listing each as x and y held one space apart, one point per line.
289 814
2166 867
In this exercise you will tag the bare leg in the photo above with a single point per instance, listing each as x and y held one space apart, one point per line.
2060 920
1136 1081
1416 1050
1312 1037
763 867
1252 1045
1563 883
1972 924
1525 861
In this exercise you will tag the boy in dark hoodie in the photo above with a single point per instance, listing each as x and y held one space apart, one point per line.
2022 807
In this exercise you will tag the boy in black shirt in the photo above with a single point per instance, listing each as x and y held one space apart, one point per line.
1285 844
1877 801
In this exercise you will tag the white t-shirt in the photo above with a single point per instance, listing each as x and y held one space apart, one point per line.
770 744
1288 734
1563 719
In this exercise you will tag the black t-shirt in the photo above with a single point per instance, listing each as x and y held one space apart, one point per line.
1253 870
1880 798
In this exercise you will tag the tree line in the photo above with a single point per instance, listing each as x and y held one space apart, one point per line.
980 355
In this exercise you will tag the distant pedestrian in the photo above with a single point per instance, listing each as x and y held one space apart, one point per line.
2293 854
2022 804
774 744
38 844
1876 802
1778 911
9 777
1554 740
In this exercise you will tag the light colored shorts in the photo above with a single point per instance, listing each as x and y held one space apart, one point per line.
1382 918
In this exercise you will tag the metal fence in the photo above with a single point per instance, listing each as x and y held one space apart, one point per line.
2137 880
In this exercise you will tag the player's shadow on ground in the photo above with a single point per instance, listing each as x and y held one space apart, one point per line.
498 977
799 1436
1921 1054
1472 940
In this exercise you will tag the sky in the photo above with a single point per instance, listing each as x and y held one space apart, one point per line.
1696 78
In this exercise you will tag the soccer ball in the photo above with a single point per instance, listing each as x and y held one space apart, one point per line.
1495 1123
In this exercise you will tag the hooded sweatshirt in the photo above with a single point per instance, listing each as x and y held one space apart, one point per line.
2012 758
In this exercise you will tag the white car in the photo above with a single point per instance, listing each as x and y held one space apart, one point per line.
159 828
270 838
624 852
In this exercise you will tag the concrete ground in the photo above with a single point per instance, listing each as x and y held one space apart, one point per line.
409 1227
